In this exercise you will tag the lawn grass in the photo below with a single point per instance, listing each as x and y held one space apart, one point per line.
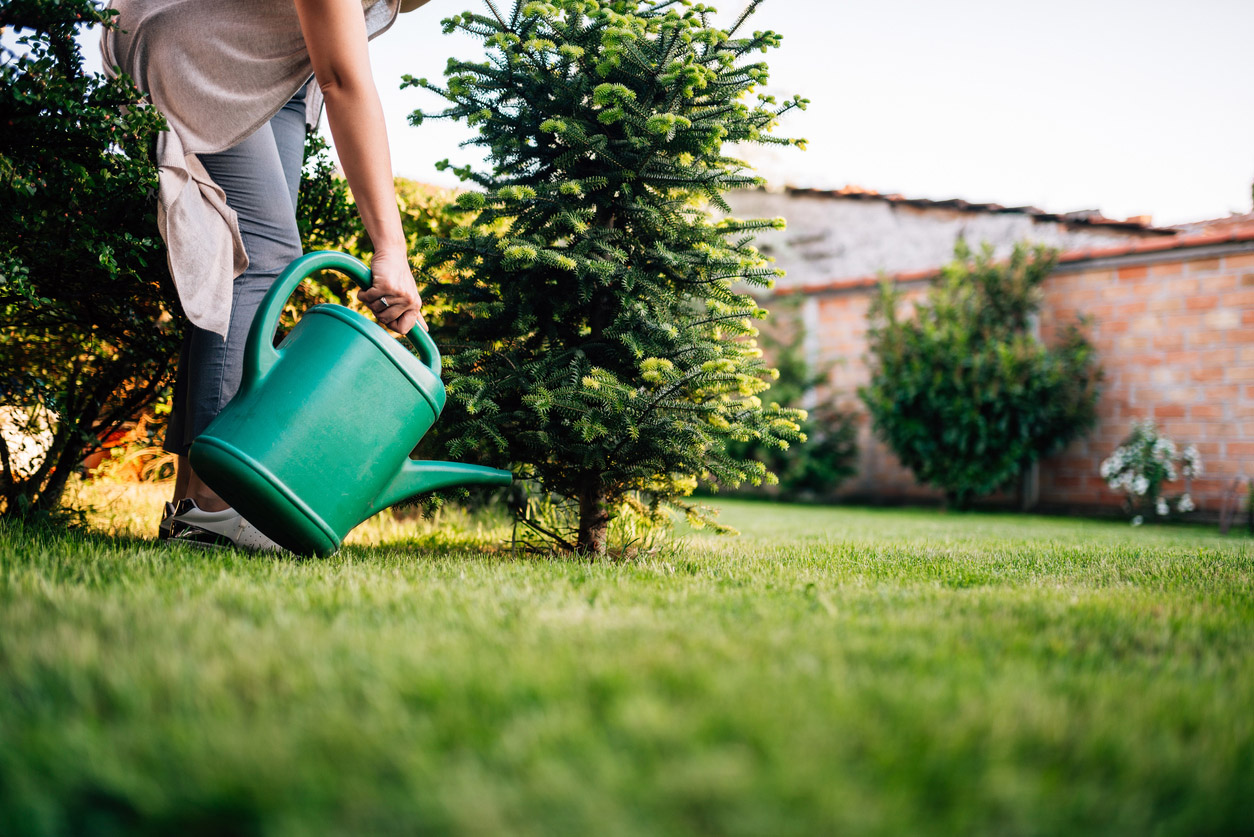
831 671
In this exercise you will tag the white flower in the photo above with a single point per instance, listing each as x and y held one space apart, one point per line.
1185 503
1140 485
1138 520
1161 507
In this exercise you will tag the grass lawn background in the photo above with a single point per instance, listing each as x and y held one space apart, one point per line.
830 671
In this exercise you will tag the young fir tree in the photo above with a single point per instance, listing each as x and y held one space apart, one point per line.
597 344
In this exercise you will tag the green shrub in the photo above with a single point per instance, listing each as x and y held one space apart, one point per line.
963 392
89 324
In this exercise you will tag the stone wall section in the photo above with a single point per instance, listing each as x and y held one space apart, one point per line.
831 235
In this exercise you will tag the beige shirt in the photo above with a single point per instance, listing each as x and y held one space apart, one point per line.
217 70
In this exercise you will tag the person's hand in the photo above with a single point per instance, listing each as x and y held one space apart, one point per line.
393 294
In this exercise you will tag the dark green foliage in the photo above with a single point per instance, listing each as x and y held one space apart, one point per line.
325 213
328 220
593 338
964 393
817 467
88 318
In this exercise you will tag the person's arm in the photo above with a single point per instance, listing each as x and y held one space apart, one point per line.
335 33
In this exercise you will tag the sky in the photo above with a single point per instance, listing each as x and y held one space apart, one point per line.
1128 106
1133 107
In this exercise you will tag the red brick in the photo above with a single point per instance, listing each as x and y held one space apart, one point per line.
1092 278
1187 430
1168 342
1165 411
1138 272
1162 375
1240 448
1205 339
1132 344
1201 303
1222 319
1180 395
1185 357
1202 265
1206 411
1220 282
1166 269
1220 356
1238 261
1207 374
1224 465
1241 373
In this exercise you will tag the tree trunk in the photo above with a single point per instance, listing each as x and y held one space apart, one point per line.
1030 486
594 519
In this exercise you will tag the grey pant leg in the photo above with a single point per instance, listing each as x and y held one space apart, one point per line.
260 177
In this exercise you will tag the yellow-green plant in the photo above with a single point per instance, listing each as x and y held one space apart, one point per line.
594 340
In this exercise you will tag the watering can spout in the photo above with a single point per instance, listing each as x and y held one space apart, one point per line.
418 476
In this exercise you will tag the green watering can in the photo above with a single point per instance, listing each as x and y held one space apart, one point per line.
318 437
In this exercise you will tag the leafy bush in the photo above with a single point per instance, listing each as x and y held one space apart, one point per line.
1141 467
964 393
89 324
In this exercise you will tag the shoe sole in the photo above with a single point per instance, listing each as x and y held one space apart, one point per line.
198 537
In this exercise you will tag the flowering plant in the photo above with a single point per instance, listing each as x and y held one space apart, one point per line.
1142 465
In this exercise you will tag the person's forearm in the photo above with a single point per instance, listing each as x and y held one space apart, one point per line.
355 117
335 33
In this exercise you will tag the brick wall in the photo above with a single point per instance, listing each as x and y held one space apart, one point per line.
1174 329
1176 339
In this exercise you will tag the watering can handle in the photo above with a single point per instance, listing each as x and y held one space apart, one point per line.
259 352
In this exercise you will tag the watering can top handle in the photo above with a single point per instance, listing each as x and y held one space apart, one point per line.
259 353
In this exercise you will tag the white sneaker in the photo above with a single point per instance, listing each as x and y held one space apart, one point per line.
192 525
163 528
